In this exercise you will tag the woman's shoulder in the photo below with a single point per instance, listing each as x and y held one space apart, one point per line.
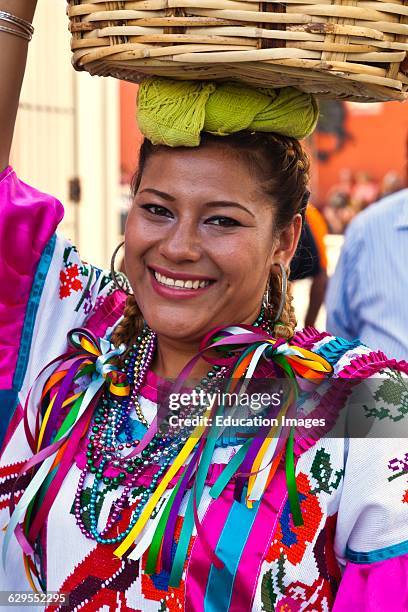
375 385
349 358
17 198
46 289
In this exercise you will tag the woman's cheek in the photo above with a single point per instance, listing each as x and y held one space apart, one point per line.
141 235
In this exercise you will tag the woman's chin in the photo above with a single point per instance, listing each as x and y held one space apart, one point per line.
179 328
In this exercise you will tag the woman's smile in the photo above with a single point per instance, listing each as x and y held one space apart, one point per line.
178 285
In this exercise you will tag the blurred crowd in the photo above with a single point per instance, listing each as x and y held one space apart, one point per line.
353 193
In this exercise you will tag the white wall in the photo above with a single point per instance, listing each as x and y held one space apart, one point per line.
67 126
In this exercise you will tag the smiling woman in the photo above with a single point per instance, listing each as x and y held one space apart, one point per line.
127 491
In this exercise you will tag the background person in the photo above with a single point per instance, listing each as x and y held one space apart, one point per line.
365 190
368 292
310 261
338 212
391 183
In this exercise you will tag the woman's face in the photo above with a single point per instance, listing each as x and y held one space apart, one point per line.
200 242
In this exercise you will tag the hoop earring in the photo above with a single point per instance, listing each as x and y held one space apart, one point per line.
266 302
123 283
284 290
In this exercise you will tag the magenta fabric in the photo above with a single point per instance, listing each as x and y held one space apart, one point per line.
199 564
258 542
374 587
28 219
150 386
107 313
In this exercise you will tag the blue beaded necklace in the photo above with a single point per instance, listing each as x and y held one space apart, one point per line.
112 431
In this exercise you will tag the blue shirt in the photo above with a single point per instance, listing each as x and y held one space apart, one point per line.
368 294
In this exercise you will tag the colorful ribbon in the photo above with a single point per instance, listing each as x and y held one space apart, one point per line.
259 458
55 443
71 386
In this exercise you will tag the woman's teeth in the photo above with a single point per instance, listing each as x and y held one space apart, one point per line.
180 284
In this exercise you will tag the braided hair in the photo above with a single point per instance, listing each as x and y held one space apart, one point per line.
282 167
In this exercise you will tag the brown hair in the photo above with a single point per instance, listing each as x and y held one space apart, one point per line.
283 169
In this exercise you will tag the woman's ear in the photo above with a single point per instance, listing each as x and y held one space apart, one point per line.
287 241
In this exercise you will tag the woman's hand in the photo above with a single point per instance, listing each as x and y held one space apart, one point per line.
13 56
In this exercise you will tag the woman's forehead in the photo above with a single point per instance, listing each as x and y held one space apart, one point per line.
209 171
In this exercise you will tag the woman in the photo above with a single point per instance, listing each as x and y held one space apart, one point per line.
120 517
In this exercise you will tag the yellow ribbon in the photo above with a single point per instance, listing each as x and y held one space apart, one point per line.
151 504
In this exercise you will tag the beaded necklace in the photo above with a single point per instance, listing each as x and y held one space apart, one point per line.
104 448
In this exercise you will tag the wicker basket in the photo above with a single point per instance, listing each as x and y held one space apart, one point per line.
334 48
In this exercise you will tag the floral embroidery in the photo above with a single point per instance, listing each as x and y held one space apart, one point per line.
316 596
293 540
291 544
69 281
322 472
268 595
400 468
8 484
99 301
79 276
399 465
393 392
70 276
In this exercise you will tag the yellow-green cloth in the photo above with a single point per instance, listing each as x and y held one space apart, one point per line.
174 113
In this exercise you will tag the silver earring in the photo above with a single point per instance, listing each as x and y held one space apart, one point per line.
265 299
119 279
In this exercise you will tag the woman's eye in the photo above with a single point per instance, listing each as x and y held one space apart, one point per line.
159 211
223 221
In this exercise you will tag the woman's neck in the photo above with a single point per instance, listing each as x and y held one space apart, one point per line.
172 356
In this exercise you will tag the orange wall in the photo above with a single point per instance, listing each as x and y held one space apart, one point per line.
130 137
378 145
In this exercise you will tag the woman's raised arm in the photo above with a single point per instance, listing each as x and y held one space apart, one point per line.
13 55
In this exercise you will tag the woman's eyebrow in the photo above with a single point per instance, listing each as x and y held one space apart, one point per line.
161 194
214 204
229 204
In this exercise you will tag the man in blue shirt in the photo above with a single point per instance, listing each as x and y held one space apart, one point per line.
367 296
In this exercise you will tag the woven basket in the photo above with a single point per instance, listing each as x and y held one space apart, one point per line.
333 48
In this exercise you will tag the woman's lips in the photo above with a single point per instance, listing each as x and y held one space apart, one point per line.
174 287
184 276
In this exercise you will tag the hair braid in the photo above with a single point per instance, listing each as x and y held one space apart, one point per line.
130 326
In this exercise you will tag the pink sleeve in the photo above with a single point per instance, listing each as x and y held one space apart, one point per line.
374 587
28 219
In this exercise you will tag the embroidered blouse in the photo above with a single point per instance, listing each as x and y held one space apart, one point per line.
350 553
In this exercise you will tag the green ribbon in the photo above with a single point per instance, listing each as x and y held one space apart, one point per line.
154 548
188 523
293 494
70 418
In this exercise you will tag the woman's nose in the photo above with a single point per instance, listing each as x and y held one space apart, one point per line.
181 243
